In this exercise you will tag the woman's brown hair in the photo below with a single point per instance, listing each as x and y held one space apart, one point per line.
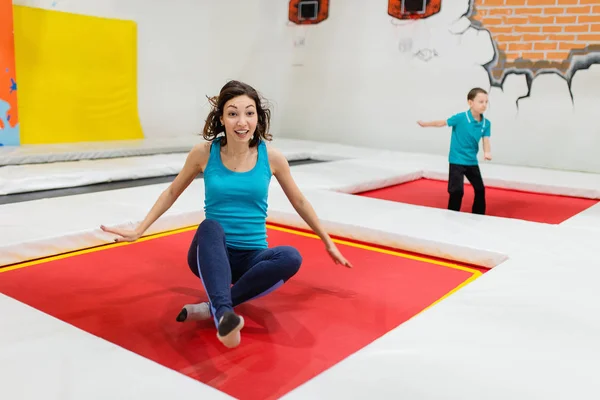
213 126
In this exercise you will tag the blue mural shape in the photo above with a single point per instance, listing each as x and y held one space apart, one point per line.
9 135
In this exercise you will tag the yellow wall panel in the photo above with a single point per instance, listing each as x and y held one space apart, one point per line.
77 77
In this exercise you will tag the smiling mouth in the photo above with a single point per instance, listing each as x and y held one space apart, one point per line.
241 133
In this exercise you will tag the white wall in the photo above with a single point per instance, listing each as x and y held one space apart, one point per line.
187 49
349 83
357 87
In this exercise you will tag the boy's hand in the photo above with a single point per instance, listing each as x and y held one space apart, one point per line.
439 124
488 156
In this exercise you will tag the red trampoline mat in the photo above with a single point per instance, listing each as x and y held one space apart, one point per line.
130 296
506 203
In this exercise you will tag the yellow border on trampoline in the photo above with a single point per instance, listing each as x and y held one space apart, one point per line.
474 273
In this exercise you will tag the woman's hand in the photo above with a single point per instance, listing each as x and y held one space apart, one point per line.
124 235
337 257
194 164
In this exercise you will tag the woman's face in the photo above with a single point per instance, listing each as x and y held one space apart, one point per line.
239 119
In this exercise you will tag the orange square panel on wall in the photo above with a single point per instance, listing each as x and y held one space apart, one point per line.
413 9
308 12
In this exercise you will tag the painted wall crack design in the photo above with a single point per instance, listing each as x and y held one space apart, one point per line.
533 37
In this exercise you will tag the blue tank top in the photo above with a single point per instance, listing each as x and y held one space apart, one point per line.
238 200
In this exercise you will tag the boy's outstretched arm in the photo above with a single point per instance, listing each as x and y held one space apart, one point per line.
437 124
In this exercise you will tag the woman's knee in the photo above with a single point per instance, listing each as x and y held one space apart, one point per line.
210 227
210 233
292 257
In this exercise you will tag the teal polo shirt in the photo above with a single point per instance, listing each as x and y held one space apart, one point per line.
466 134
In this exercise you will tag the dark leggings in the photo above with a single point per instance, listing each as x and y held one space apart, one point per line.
253 273
456 181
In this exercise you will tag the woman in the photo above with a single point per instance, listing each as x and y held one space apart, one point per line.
230 245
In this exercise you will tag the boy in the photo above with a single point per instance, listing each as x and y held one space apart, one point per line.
467 129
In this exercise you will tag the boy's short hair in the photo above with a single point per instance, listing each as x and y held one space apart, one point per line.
474 92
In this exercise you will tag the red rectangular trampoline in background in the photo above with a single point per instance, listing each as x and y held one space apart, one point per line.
535 207
130 295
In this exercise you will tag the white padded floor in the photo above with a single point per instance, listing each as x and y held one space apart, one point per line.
527 329
52 167
32 154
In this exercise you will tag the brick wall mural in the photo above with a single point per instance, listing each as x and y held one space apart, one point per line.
539 36
538 59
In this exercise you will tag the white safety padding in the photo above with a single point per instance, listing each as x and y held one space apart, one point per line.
46 153
36 177
77 224
455 236
349 169
587 219
526 329
540 294
74 220
353 175
68 363
101 167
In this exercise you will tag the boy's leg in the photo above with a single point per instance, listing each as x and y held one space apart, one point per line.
473 174
456 179
264 271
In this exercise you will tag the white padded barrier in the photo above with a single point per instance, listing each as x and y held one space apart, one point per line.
346 167
434 232
58 175
105 165
588 219
77 223
68 363
527 328
48 153
534 180
35 177
425 230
